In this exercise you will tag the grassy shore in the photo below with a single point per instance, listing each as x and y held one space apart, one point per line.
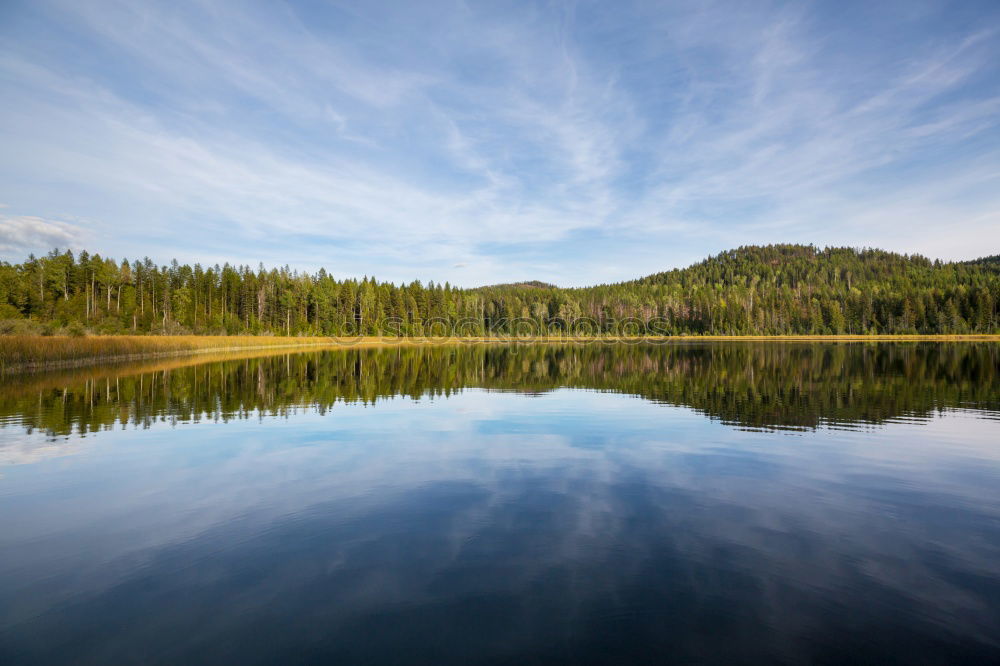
26 352
60 376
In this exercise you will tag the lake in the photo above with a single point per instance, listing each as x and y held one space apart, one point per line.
560 504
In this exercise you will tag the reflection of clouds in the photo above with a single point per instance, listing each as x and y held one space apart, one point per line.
674 525
25 450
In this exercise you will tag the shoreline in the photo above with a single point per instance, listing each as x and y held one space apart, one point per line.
24 354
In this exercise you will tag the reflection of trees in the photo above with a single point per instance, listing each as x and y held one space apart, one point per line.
751 385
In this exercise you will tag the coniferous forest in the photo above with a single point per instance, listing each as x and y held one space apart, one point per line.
766 290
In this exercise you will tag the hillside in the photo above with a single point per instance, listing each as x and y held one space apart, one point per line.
807 266
533 284
765 290
992 262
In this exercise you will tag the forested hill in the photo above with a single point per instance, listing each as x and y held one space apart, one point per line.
805 265
776 289
528 283
990 262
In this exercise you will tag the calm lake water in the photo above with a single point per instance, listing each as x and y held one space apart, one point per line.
592 504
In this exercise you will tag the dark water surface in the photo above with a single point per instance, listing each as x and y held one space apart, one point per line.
720 503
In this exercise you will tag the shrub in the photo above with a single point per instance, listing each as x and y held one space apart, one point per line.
19 327
8 311
76 330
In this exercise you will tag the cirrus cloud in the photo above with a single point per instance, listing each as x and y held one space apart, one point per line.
570 143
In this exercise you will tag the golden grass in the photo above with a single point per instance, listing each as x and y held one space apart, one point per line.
60 376
19 352
25 352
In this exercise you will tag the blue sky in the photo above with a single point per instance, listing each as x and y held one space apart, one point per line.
480 142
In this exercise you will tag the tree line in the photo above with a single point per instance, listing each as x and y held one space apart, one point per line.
764 290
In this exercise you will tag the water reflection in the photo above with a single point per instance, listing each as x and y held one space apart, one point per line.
306 509
792 386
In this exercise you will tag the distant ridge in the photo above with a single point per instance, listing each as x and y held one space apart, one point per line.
990 262
798 263
528 284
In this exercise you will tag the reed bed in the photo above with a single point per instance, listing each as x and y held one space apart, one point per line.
58 377
31 352
26 352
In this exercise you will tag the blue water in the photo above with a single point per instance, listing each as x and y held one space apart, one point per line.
568 525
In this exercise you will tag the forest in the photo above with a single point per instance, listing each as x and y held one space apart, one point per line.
753 290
